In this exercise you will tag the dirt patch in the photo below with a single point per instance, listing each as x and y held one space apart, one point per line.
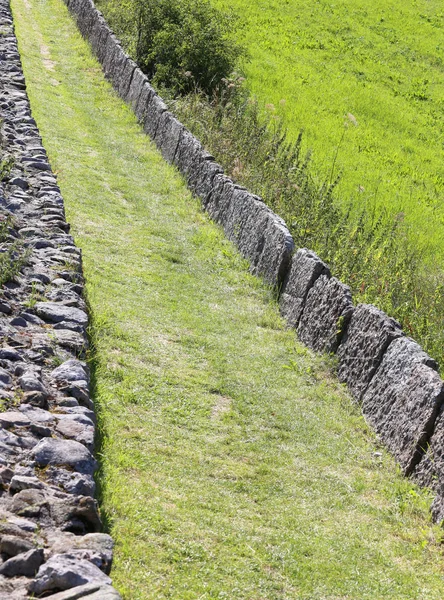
221 406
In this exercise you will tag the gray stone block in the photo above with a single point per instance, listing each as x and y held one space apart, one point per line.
87 17
429 472
154 109
112 48
142 102
127 71
363 346
260 235
138 81
168 135
218 200
304 270
99 35
88 592
327 311
120 70
204 184
403 399
189 153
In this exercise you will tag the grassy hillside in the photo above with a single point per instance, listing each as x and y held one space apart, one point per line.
315 62
232 465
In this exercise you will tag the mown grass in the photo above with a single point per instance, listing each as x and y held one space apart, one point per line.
232 464
315 62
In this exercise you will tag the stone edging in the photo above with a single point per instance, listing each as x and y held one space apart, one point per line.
396 383
50 540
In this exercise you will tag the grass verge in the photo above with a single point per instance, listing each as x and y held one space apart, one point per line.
232 464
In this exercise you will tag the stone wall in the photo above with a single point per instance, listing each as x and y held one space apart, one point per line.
392 378
50 540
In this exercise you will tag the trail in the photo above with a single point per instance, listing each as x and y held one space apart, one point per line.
233 465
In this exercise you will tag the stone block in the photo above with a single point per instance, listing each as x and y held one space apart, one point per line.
189 153
168 135
142 102
137 83
327 311
305 268
363 346
204 183
110 56
218 200
260 235
87 17
127 70
403 399
154 109
99 35
429 472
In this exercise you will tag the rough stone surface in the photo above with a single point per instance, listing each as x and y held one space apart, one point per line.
304 270
152 113
55 313
168 135
63 572
327 311
88 592
430 469
51 451
403 399
138 81
23 565
361 350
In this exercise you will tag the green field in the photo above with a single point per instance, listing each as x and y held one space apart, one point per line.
232 463
382 63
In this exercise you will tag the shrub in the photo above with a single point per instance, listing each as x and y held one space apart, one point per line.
179 44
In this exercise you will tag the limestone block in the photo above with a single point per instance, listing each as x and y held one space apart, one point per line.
135 89
189 153
99 35
111 48
218 200
327 311
127 71
304 270
204 183
168 135
154 109
363 346
142 102
403 399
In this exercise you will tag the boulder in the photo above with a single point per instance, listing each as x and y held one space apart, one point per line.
63 572
51 451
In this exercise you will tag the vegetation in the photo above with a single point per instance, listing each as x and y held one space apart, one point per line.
316 61
180 44
370 246
12 254
233 465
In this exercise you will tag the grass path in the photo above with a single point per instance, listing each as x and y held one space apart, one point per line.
233 465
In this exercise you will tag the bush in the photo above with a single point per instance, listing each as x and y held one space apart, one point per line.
180 44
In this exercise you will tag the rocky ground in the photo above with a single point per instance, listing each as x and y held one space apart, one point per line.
50 540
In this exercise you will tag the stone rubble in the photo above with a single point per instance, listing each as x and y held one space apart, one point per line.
50 540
